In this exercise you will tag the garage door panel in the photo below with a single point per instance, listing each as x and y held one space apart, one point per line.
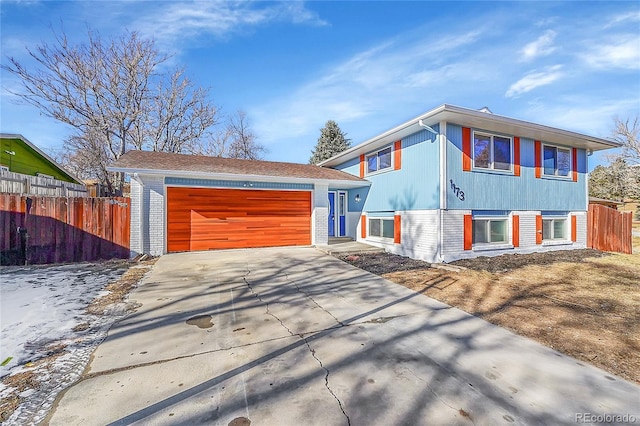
207 218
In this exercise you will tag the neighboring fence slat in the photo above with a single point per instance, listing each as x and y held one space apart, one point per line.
63 229
609 229
18 183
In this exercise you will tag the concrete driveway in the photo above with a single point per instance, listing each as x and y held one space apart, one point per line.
294 337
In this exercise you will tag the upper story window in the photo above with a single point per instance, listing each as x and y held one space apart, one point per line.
379 160
492 152
556 161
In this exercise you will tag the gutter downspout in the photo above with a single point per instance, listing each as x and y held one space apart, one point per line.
443 187
442 142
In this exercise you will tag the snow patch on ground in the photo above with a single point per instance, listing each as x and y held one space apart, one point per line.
40 306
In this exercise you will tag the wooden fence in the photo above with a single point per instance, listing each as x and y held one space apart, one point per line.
39 230
18 183
609 229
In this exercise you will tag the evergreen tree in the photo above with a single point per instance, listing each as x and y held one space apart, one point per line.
332 141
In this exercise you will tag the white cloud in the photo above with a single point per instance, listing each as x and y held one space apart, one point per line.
623 53
543 46
533 80
584 114
178 21
633 16
397 71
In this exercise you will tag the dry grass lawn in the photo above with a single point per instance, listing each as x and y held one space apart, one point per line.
587 308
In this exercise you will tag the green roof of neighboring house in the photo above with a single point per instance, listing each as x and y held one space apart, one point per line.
22 156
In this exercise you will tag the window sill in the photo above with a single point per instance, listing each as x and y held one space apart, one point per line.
378 172
380 240
488 247
557 243
551 177
493 171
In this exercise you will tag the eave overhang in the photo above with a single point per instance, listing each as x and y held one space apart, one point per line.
337 183
478 120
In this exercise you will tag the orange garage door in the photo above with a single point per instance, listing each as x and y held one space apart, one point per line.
206 218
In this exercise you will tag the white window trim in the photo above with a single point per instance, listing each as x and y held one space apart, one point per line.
491 169
378 171
375 237
567 231
498 245
569 176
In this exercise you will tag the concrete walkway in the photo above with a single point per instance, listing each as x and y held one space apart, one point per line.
295 337
347 246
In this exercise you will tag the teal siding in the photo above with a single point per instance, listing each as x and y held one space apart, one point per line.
414 187
236 184
495 191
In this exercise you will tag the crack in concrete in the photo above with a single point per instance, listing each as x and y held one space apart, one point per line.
308 296
301 336
326 380
257 296
164 360
460 411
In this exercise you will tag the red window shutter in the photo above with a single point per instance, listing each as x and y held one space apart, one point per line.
468 232
397 155
361 165
466 149
516 156
574 163
363 226
515 234
539 229
537 155
396 229
574 228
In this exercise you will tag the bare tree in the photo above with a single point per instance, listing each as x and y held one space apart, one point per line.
177 117
112 93
243 143
627 133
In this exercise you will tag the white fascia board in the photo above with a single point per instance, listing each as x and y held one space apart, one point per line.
346 184
502 124
398 132
476 119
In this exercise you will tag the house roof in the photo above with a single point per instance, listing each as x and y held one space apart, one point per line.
596 200
481 119
164 163
41 153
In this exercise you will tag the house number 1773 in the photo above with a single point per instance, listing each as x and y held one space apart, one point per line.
457 191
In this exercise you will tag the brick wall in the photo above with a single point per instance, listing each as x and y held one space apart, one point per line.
320 215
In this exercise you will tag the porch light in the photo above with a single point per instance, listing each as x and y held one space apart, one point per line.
357 198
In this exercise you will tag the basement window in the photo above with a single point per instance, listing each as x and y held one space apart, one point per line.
490 231
554 228
381 227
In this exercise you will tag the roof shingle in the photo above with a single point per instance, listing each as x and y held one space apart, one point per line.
151 160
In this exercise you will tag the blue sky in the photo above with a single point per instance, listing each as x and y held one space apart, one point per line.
367 65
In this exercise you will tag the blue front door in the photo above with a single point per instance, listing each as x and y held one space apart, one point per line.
332 214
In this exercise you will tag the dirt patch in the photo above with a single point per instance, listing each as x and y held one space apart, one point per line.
382 263
119 290
508 262
583 303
